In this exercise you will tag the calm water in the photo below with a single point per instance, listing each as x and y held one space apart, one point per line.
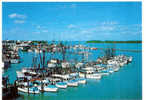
126 84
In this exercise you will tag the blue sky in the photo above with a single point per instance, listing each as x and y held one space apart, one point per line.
71 21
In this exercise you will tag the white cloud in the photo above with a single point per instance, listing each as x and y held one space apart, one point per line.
45 31
109 23
71 26
19 21
107 28
15 15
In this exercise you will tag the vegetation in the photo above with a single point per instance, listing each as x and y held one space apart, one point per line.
98 41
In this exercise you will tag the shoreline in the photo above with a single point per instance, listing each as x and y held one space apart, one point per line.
98 41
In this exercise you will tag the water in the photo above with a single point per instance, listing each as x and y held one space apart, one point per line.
126 84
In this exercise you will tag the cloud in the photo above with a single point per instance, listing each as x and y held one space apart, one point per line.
45 31
109 23
19 21
107 30
15 15
71 26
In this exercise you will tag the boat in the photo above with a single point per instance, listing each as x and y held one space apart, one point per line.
72 83
94 76
33 90
61 85
81 80
49 88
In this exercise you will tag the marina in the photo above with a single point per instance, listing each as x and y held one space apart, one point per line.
57 74
72 50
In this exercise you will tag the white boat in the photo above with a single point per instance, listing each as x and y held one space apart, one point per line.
33 90
81 80
49 88
74 74
72 83
61 85
93 76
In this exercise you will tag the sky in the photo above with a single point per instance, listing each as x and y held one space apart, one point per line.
71 21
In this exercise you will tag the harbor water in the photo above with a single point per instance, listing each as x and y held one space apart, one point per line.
126 84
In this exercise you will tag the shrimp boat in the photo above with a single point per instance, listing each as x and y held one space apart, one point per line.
89 72
81 80
72 83
94 76
49 88
61 85
33 90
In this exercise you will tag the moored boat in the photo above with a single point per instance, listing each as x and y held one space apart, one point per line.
81 80
61 85
33 90
72 83
49 88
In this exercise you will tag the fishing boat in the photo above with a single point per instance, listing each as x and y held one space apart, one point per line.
49 88
33 90
61 85
72 83
81 80
94 76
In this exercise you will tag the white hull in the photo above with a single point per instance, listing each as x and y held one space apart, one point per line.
72 83
49 89
82 81
93 76
25 90
61 86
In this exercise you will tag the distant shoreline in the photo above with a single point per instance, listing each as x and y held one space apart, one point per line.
90 41
98 41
